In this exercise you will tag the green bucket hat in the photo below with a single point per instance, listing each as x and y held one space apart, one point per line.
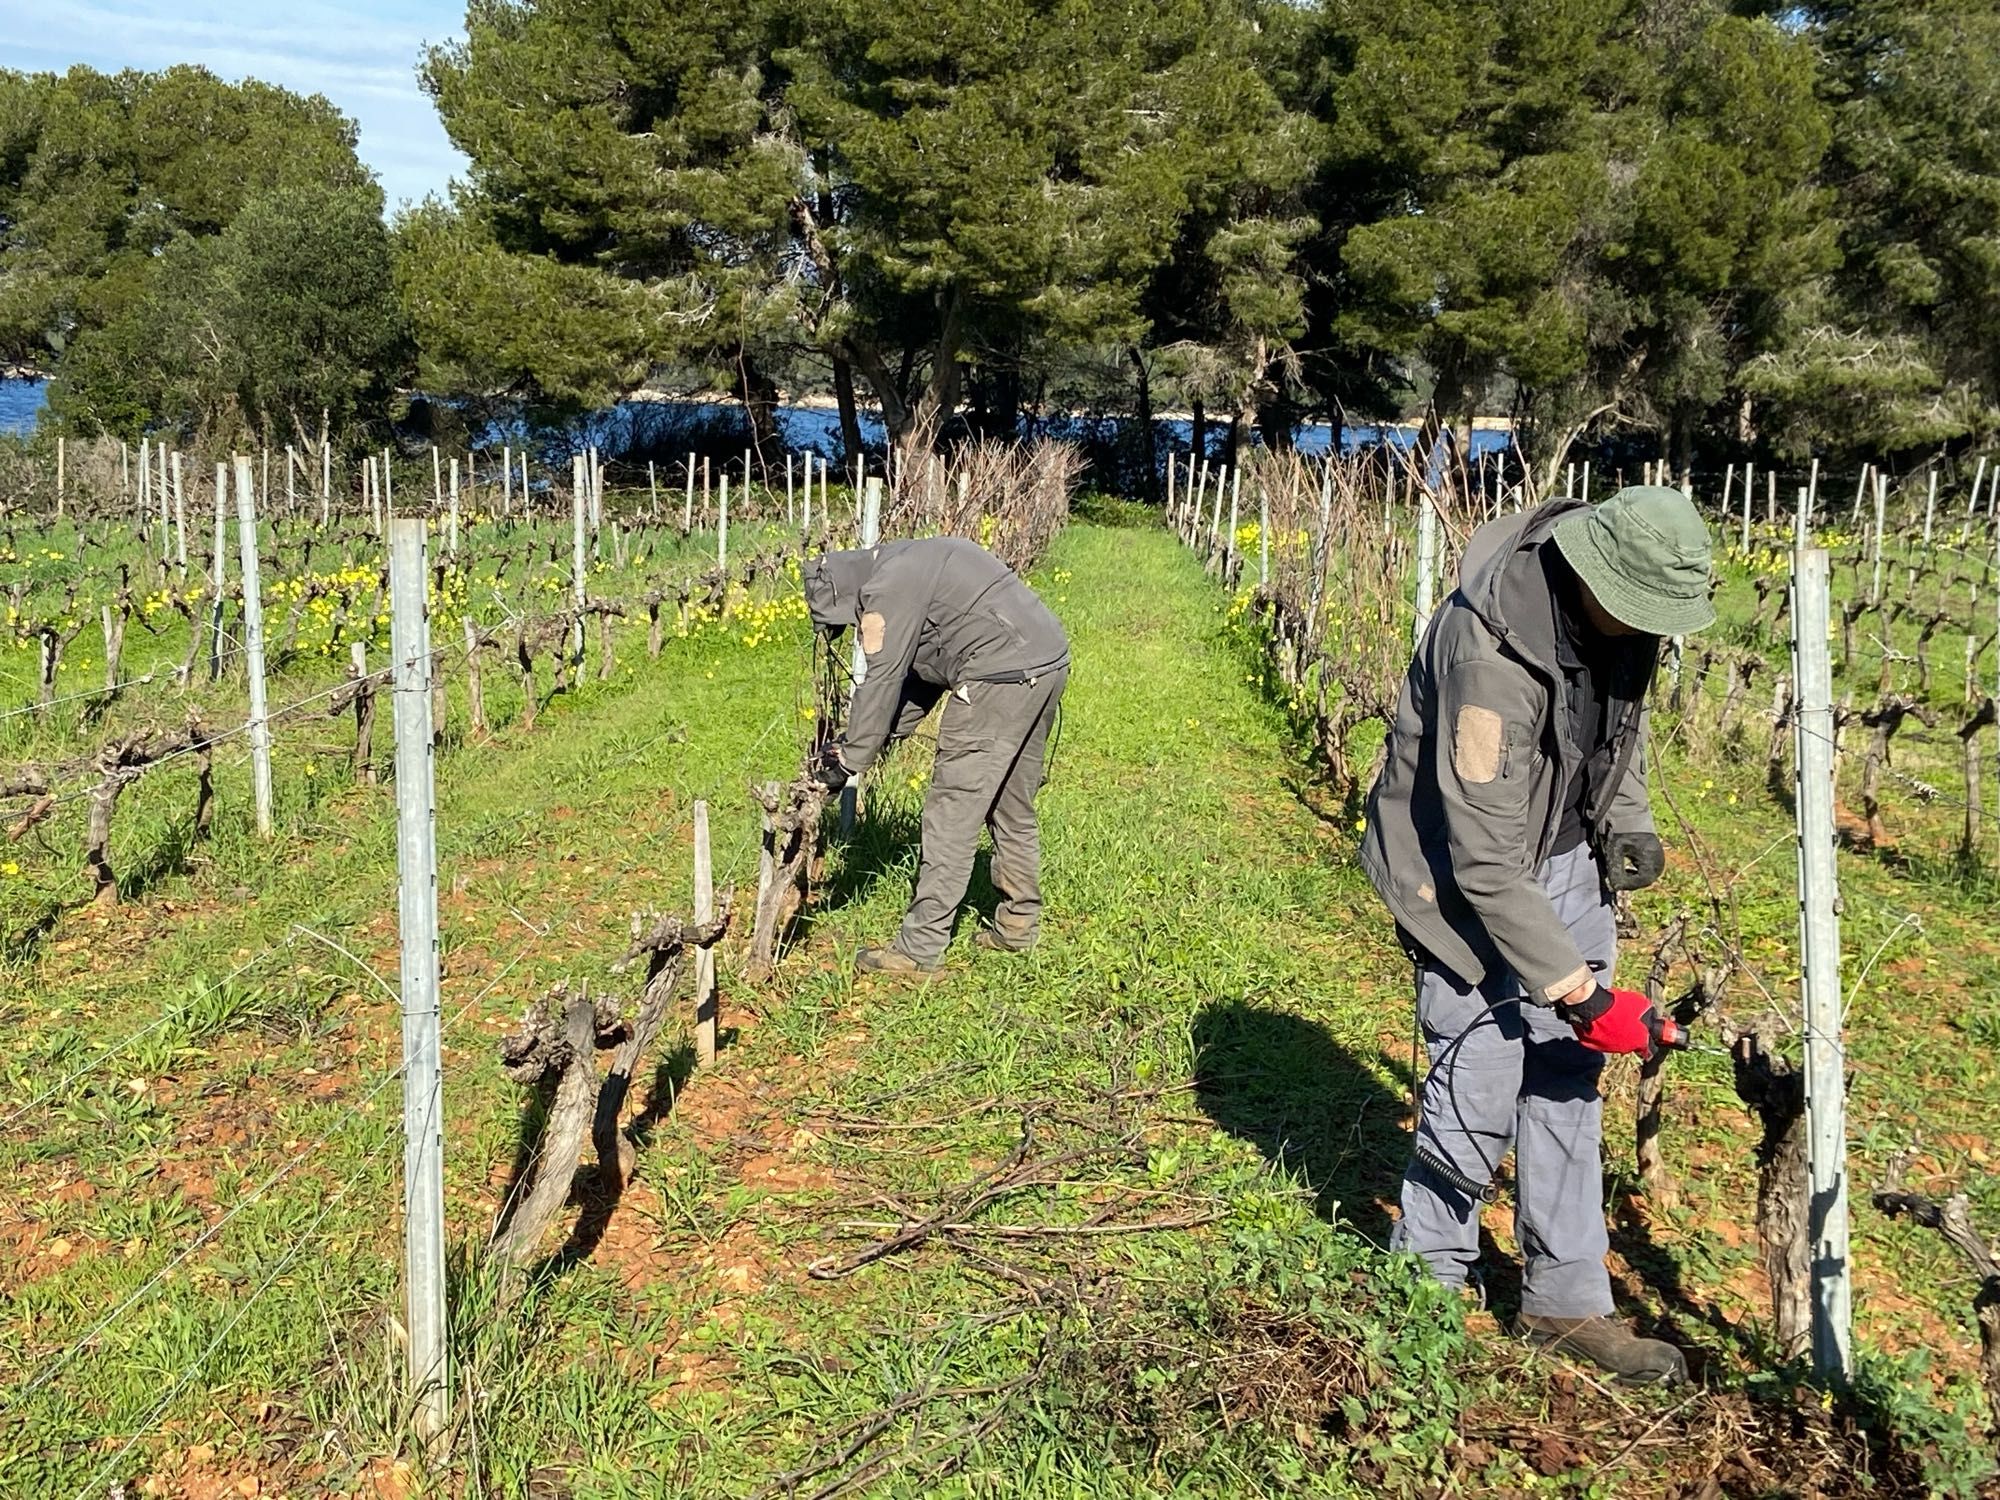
1645 554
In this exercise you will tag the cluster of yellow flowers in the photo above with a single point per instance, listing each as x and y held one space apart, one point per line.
766 619
753 622
345 578
163 598
1250 533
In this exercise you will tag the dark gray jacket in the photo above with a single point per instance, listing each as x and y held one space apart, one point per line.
942 610
1470 796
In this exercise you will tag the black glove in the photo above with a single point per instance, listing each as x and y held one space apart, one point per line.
831 772
1633 861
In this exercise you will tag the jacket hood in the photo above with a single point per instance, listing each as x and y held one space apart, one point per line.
1501 578
833 582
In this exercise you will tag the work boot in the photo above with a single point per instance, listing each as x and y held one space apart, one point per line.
892 962
1608 1344
993 940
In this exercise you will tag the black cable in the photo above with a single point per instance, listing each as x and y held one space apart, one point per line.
1436 1161
1054 744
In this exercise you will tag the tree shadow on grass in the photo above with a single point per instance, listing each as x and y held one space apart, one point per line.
1315 1109
170 855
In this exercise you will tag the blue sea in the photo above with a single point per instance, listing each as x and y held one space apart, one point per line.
20 403
818 427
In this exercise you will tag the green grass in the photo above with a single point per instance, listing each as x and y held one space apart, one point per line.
1214 1029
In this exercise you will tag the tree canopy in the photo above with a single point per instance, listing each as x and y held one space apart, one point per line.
1775 228
892 189
189 253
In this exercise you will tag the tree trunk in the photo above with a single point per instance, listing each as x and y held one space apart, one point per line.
1199 429
760 402
1655 1179
1968 738
1277 415
554 1054
1149 456
1451 395
1004 422
850 420
913 424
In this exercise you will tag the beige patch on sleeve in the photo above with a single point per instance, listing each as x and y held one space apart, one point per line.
872 626
1475 743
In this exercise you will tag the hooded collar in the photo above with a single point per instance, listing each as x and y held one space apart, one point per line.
1502 580
833 584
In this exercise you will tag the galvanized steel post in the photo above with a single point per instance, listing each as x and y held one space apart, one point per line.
1819 944
423 1065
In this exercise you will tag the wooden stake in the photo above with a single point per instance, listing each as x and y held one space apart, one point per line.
180 522
722 532
253 646
706 1007
218 568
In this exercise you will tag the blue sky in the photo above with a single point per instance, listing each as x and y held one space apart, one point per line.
362 56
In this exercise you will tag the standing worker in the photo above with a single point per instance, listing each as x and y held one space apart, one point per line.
1511 805
936 616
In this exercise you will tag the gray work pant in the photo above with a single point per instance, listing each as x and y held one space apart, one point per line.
989 767
1518 1075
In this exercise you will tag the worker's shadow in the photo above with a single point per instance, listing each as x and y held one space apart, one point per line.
1316 1110
884 847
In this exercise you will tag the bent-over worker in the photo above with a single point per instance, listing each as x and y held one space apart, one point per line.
943 616
1511 805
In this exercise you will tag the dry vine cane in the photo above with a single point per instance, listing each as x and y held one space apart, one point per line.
1656 1180
790 855
792 845
1952 1219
